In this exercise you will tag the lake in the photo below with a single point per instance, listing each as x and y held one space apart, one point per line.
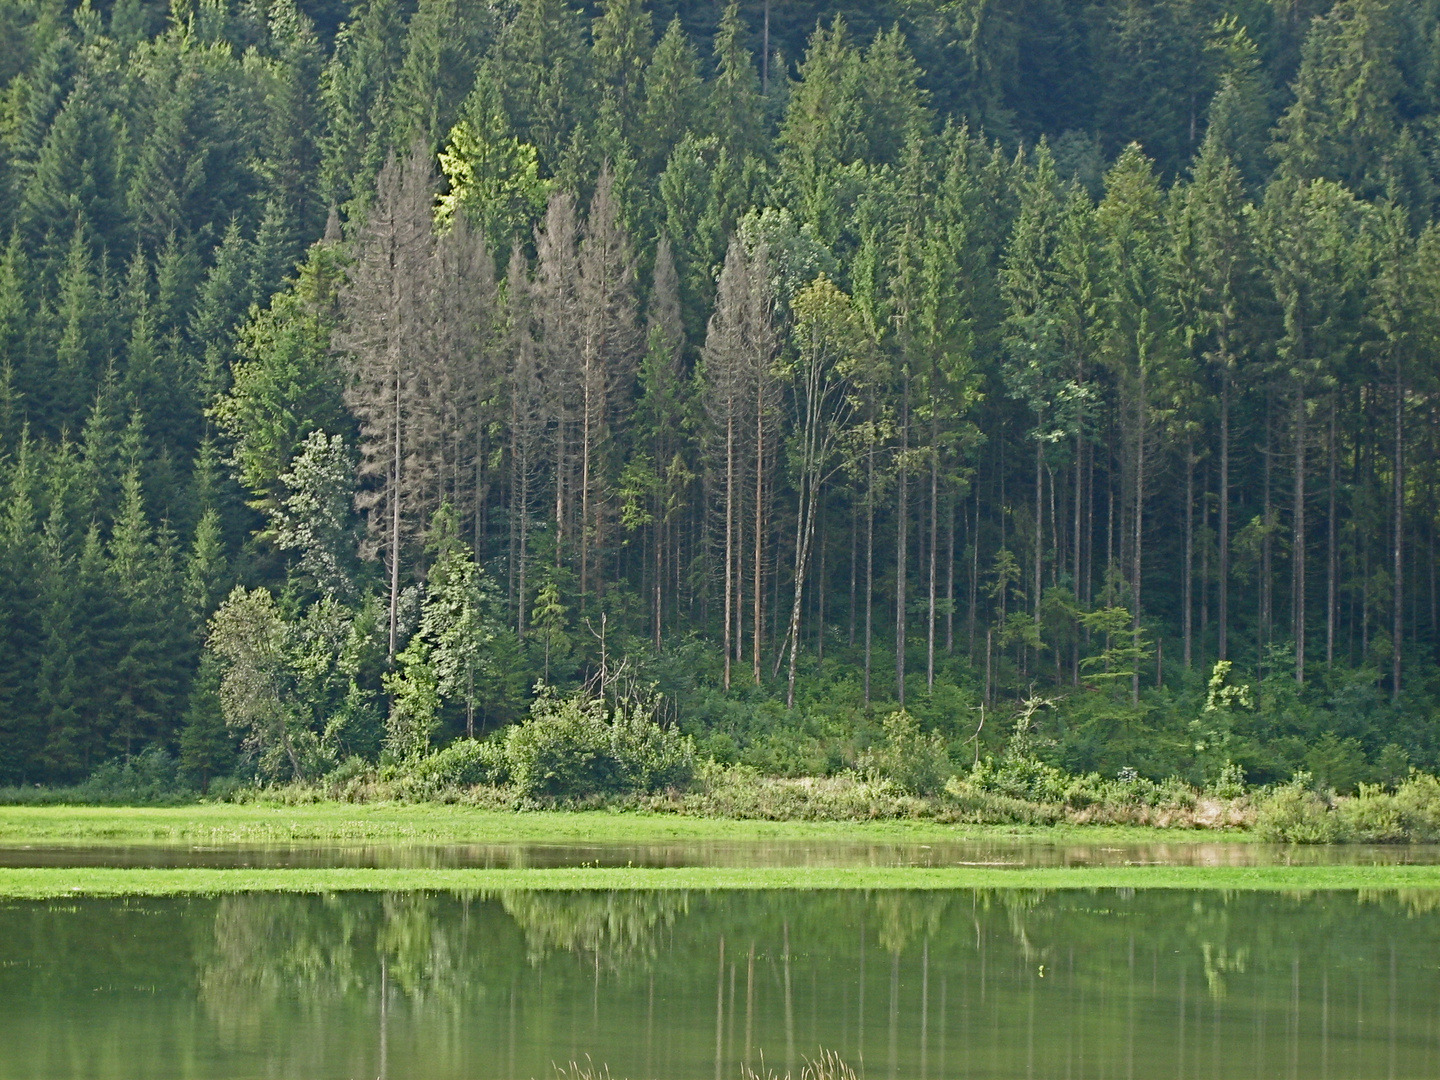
675 985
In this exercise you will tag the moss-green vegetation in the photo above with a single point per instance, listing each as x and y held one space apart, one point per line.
35 883
220 823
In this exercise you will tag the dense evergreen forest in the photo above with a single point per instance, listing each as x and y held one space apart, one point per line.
779 363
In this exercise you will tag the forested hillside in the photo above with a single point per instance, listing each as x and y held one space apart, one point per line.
363 368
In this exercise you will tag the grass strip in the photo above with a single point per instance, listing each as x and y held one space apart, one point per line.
224 823
52 882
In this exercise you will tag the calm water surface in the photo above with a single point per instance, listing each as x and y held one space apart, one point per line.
824 853
673 986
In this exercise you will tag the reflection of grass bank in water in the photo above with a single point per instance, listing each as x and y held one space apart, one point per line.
225 823
50 882
828 1066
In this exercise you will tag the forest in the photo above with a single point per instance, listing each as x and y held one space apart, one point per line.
370 373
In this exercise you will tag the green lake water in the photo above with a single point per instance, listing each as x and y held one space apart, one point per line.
675 985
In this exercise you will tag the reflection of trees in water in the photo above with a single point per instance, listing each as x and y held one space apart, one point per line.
620 929
267 951
907 918
266 948
475 980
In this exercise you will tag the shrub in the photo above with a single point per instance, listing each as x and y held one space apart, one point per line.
1230 784
572 748
1372 817
1418 800
464 763
1296 814
911 760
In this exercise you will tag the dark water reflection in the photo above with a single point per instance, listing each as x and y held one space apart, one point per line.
818 853
1006 983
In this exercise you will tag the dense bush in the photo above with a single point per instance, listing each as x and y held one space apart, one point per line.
1297 813
915 762
464 763
149 777
574 747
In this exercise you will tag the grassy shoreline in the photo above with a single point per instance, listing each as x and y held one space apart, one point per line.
51 883
226 823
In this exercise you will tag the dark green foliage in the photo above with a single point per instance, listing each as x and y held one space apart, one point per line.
573 747
1139 374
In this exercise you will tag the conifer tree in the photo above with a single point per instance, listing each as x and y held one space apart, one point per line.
384 332
1137 343
358 89
623 36
674 97
543 66
20 551
735 91
610 345
493 178
443 46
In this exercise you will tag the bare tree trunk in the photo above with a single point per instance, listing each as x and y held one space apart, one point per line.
756 647
902 546
1188 602
974 575
805 534
729 540
1397 555
1332 548
1141 421
1039 582
1298 555
1204 634
952 507
854 567
934 544
395 488
1267 582
820 584
1222 544
869 565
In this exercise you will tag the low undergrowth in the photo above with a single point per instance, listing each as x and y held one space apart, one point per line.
1298 813
577 753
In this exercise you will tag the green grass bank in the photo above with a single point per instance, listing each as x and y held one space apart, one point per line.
261 823
49 883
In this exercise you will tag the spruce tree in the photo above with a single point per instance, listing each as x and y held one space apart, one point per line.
358 89
735 116
674 98
21 737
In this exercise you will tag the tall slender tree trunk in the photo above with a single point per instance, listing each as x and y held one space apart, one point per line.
854 569
869 565
1039 581
1141 420
1188 600
934 544
974 576
1267 583
585 436
658 570
1298 555
953 508
1222 543
820 582
1398 543
759 532
805 535
1332 552
395 489
1204 636
902 543
729 540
